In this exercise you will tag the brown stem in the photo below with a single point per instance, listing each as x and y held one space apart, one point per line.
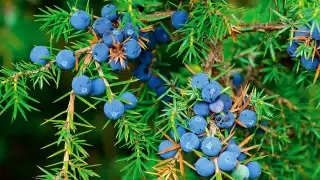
260 27
66 157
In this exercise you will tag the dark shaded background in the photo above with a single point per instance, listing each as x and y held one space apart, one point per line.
20 141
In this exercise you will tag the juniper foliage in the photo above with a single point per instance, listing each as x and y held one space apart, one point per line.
218 39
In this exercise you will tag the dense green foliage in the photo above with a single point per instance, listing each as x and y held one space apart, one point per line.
219 39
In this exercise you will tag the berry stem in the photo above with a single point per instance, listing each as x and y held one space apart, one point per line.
101 74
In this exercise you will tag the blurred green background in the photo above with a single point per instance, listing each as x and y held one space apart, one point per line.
20 141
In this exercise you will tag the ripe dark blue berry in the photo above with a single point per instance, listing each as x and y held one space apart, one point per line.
211 92
315 34
200 80
116 66
197 124
161 35
211 146
114 110
65 59
98 87
242 156
100 52
254 170
38 52
189 141
130 32
303 31
217 106
237 79
152 44
227 161
102 25
234 148
165 145
205 167
248 118
155 82
145 57
160 91
113 36
178 19
292 48
109 11
125 18
227 101
310 64
180 130
128 96
81 85
132 49
264 124
142 72
225 120
201 109
80 20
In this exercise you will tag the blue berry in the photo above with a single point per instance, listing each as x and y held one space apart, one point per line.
152 44
165 145
248 118
178 19
113 36
234 148
242 156
155 82
145 57
302 31
36 54
263 123
292 49
211 92
227 161
116 66
97 87
217 106
80 20
161 35
205 167
181 131
142 72
211 146
65 59
315 34
200 80
225 120
241 172
254 170
81 85
232 141
237 79
102 25
160 91
132 49
130 32
100 52
201 109
227 101
128 96
109 11
125 18
189 141
310 64
198 124
114 110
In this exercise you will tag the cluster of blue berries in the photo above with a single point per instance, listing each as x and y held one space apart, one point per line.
301 35
215 108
